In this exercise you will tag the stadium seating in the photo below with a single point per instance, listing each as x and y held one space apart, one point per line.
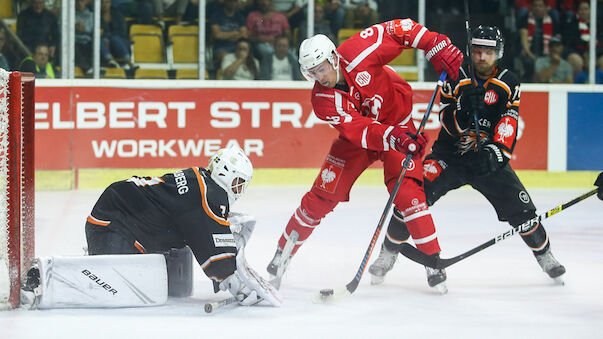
184 43
183 73
142 73
147 43
78 72
115 73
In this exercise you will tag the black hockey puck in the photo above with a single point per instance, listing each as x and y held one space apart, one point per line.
326 292
208 308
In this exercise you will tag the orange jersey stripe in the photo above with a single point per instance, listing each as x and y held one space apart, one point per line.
98 222
140 248
203 190
216 258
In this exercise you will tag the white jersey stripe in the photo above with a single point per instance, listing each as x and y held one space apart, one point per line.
425 240
415 42
339 107
301 222
358 59
386 138
363 141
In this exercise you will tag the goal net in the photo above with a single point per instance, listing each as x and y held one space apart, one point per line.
16 182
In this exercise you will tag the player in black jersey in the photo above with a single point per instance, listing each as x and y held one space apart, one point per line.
190 207
458 158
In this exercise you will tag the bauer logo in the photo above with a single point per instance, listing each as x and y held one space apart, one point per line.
490 97
524 197
224 240
363 78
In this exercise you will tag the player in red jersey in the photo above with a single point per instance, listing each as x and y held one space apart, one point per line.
370 105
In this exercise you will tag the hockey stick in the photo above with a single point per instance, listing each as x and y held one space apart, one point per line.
326 295
417 256
276 281
472 72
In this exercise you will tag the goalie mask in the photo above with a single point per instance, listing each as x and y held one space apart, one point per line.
232 170
489 37
313 51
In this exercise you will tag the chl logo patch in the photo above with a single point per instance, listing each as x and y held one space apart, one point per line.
329 177
363 78
490 97
524 197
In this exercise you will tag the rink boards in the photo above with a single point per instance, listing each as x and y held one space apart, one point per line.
90 133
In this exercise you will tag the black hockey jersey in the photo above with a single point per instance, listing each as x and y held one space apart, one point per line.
186 207
497 123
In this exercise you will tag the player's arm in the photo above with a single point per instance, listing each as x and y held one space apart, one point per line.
448 108
505 132
362 131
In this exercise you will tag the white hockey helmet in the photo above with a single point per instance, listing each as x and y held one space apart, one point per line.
232 170
313 51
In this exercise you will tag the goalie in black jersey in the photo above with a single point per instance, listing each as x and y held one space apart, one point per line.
458 158
164 215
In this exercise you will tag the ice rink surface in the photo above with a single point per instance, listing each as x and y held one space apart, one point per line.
498 293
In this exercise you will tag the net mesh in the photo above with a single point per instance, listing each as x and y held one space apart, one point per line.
4 260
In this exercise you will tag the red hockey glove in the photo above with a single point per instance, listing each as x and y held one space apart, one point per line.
405 142
445 56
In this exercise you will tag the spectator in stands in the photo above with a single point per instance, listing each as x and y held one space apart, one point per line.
228 25
264 26
283 65
169 8
583 76
294 10
39 64
240 65
7 55
36 24
576 34
321 26
535 32
84 25
115 45
360 13
334 13
552 68
140 9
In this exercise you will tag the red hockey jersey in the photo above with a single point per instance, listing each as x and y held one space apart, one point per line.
377 98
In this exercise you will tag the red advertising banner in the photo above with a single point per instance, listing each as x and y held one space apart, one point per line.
110 127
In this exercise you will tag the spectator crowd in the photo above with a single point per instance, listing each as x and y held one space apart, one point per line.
548 40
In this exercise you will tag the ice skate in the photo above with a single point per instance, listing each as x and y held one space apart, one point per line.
436 278
551 266
276 268
384 263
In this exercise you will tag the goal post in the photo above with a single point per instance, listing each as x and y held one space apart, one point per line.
17 210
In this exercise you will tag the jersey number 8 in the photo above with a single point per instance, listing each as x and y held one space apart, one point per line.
367 33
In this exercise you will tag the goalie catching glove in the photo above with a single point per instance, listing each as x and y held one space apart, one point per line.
248 287
486 160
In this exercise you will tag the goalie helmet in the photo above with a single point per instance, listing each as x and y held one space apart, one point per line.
489 36
232 170
313 51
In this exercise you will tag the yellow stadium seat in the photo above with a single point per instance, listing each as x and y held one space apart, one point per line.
177 29
147 48
187 73
143 73
185 43
346 33
115 73
6 9
409 76
406 58
145 29
78 72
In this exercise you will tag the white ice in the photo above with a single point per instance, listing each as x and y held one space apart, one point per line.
500 292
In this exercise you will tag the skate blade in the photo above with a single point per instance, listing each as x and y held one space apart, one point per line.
559 281
377 280
441 288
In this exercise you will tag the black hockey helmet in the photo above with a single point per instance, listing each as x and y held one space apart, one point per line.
489 36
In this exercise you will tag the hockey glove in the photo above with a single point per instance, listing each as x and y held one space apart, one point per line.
599 183
241 226
445 56
403 141
471 100
248 286
487 160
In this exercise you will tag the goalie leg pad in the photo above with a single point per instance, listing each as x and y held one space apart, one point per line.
179 263
104 281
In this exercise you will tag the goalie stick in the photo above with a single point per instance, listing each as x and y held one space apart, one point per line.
326 295
417 256
276 281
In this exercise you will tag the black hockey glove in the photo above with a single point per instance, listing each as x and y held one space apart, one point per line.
487 160
599 183
471 100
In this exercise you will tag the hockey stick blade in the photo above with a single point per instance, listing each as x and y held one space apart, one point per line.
327 295
417 256
210 307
